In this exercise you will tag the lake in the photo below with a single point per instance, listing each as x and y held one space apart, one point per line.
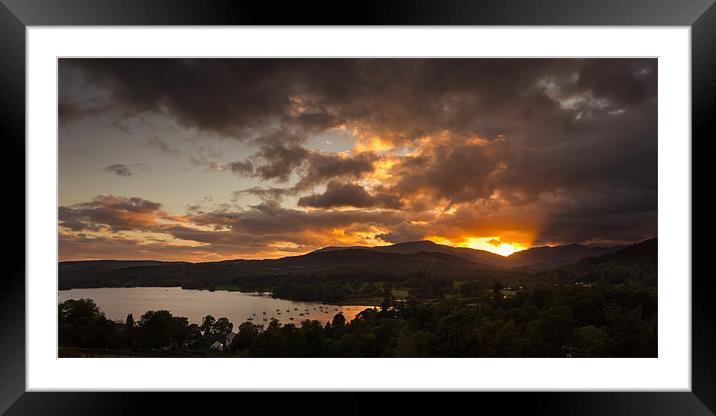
238 307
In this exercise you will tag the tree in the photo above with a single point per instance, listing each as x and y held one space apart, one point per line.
82 324
248 333
160 330
591 341
313 339
339 321
222 327
557 329
130 332
270 343
74 311
632 335
207 324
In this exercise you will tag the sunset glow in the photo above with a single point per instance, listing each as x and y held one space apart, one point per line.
493 245
265 158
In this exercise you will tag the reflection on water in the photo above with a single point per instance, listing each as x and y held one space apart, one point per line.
238 307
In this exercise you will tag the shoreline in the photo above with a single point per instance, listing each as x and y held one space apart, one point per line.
368 302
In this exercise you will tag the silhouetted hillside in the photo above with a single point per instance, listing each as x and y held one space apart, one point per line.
351 262
635 265
362 258
542 258
426 246
533 259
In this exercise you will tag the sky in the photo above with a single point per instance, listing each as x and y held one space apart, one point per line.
215 159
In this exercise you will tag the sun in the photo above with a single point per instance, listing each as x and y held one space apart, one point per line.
493 245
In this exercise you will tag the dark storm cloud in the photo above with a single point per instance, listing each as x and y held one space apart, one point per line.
622 82
271 219
245 168
322 167
279 161
231 96
349 195
618 215
276 161
111 212
221 96
118 169
401 98
456 172
558 137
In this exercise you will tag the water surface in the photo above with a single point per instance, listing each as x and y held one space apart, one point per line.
238 307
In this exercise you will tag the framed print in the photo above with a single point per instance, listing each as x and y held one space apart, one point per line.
495 200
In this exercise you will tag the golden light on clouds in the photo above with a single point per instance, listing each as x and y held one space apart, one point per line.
365 143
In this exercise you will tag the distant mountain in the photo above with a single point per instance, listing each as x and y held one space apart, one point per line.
427 246
344 261
533 259
542 258
111 264
372 258
409 257
635 265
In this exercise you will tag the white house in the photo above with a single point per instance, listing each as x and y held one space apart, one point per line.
218 345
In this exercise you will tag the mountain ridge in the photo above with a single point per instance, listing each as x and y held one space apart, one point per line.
634 263
532 259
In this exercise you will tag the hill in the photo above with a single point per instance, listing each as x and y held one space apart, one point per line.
427 246
366 263
379 259
546 257
345 262
635 265
533 259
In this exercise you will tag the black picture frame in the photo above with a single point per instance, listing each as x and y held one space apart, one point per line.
16 15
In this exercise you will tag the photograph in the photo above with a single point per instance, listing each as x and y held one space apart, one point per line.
489 198
355 207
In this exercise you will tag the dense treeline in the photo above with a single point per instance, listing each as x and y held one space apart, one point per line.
479 319
328 286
